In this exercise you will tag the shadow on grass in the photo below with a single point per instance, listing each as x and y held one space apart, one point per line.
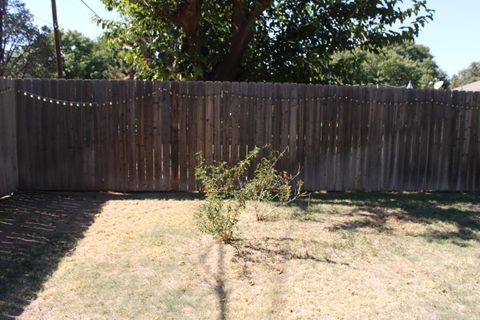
218 274
273 252
373 210
37 230
220 284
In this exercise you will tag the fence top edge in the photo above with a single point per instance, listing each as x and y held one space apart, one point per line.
19 82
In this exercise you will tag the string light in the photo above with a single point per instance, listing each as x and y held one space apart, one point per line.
83 103
226 94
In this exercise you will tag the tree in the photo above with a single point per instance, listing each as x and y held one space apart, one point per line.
395 65
84 58
28 52
17 34
466 76
290 40
40 61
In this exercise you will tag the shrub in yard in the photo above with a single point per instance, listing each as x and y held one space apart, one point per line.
270 185
228 188
222 185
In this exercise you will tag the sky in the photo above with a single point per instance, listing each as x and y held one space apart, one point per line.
71 14
453 36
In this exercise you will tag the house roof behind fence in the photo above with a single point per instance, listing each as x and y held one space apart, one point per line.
474 86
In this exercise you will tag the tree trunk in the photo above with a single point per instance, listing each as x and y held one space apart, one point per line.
243 25
228 69
187 16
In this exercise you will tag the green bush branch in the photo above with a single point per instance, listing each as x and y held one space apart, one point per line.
229 188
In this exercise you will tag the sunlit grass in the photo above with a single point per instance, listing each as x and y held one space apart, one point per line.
334 256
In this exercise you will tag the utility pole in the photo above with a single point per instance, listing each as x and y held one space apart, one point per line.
3 15
57 40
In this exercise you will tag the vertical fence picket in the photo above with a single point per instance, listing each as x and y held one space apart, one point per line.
9 160
165 134
197 128
191 134
319 149
174 121
437 155
401 151
459 143
156 132
225 119
216 121
182 136
300 156
476 143
209 120
148 118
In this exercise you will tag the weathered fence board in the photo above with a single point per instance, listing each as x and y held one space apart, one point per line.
143 135
8 139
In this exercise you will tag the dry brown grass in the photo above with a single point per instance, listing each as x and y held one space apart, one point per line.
338 256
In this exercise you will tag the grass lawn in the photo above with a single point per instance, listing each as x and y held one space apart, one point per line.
335 256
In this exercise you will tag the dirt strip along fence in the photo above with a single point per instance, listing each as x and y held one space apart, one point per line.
8 140
143 135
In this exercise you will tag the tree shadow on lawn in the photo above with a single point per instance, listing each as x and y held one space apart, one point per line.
37 230
274 252
373 210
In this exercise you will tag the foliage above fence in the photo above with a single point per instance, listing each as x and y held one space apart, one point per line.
143 135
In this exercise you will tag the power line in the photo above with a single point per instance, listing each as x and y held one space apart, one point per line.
90 8
41 19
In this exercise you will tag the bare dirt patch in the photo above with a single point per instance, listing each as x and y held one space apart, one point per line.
337 256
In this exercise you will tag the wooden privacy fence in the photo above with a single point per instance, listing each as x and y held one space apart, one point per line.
143 135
